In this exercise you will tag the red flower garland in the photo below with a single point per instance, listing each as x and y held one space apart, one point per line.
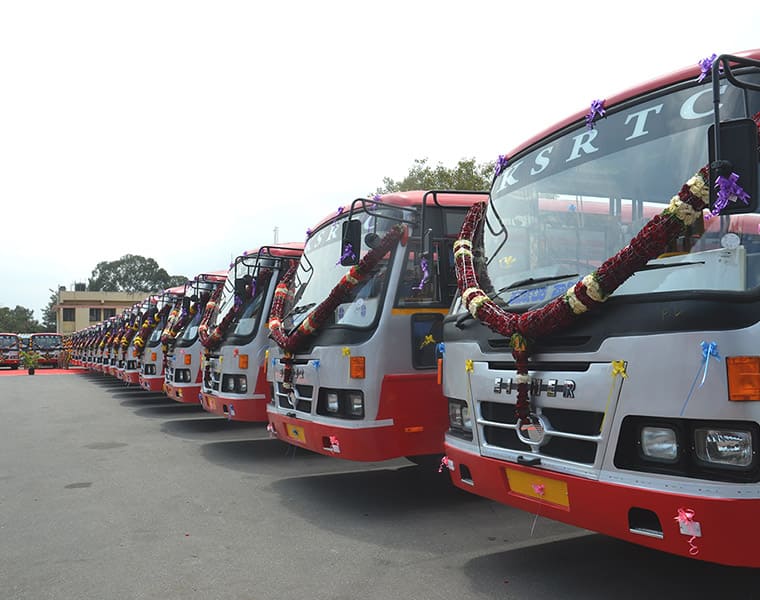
203 332
318 316
587 294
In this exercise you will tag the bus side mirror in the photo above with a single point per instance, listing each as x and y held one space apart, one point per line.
350 242
738 154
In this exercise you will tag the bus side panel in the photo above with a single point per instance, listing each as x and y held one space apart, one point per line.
416 404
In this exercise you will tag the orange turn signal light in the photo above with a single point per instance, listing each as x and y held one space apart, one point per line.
356 367
188 359
743 378
243 361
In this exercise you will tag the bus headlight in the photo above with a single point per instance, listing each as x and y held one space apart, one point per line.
724 447
345 404
355 404
236 384
332 402
181 375
659 443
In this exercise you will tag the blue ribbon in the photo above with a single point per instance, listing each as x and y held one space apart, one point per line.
708 350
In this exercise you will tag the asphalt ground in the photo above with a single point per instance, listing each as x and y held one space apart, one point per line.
110 492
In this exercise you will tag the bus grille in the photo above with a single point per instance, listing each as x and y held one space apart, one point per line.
573 435
302 397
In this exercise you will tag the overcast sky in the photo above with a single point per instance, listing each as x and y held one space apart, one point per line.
187 131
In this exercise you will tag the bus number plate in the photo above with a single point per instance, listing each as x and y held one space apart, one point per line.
296 433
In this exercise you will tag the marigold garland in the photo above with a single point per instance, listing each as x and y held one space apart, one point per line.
587 294
318 316
131 330
150 321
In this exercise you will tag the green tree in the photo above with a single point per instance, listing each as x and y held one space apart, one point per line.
18 320
49 312
130 273
176 280
467 175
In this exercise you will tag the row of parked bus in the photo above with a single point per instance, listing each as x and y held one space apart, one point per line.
48 346
615 384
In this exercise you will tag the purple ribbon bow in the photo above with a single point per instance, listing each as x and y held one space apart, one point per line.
595 112
705 66
425 275
348 252
501 165
728 191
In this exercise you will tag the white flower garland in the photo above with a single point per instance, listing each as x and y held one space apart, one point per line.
576 305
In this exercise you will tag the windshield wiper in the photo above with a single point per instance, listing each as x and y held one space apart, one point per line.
532 280
668 265
299 310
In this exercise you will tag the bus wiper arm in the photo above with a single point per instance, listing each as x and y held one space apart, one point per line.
668 265
300 309
531 280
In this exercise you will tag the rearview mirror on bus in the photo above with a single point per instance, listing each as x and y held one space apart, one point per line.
350 242
739 155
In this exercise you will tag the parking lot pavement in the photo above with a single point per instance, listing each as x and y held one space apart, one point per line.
110 492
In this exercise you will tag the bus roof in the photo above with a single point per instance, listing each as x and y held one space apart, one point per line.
414 198
218 276
685 74
284 250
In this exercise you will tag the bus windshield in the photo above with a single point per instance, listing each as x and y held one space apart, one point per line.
8 342
227 299
190 332
560 210
319 271
45 342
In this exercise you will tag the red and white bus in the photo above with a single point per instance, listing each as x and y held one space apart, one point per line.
181 343
130 321
10 349
48 346
235 334
615 385
147 341
100 354
354 374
